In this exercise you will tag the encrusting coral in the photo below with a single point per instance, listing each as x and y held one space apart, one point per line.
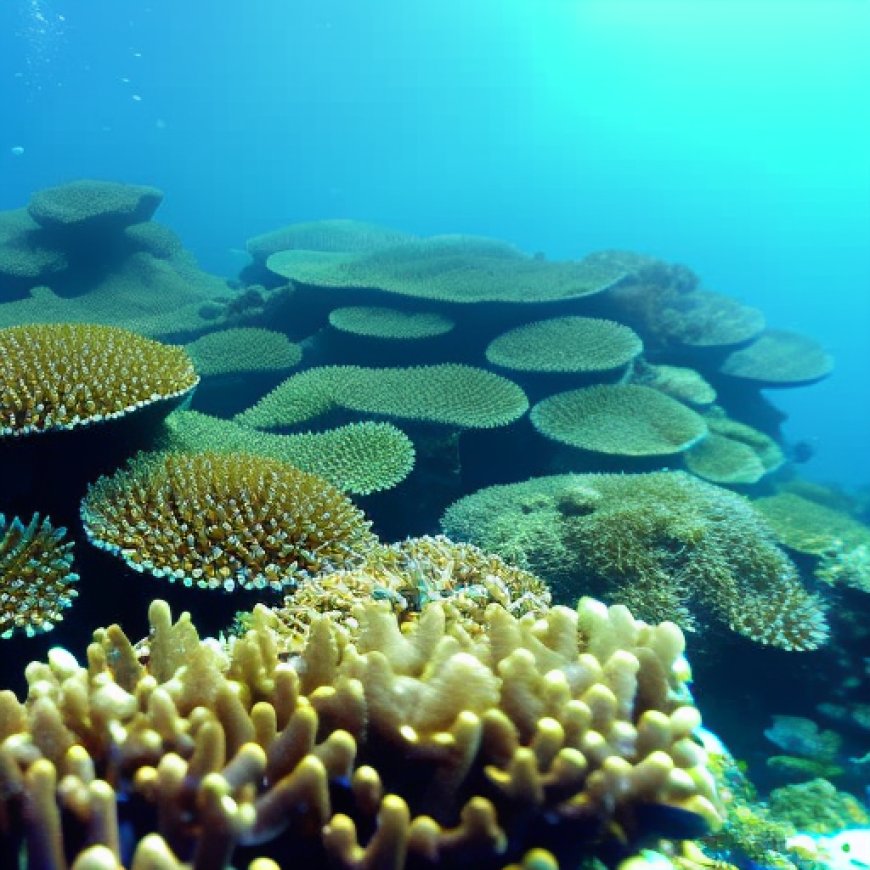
36 576
70 375
221 520
540 739
666 544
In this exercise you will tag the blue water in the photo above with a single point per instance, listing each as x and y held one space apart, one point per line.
731 136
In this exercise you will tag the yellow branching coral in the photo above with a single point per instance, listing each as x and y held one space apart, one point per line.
536 739
448 394
620 420
36 576
411 574
221 520
666 544
66 375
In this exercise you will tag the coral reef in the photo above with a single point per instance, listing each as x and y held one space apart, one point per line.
566 344
64 376
36 576
448 394
359 458
619 420
569 734
666 544
221 520
678 382
818 807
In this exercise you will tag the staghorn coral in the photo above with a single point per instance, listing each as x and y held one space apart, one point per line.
244 349
666 544
619 420
64 376
327 235
378 321
411 574
778 358
221 520
93 204
566 344
531 743
448 394
461 269
359 458
36 576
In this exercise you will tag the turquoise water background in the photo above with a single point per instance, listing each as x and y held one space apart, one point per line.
731 136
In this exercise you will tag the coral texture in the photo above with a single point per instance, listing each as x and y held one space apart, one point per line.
619 420
378 321
359 458
87 203
245 349
221 520
463 269
778 358
448 394
36 576
378 749
61 376
566 344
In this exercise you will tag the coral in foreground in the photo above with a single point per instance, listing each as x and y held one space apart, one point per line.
565 736
221 520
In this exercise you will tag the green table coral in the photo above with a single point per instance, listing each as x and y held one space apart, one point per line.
463 269
373 321
451 395
245 349
778 358
619 420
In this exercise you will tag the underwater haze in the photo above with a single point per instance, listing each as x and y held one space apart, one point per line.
733 137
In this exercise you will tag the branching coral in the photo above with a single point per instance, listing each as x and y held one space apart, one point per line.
411 574
36 576
666 544
447 394
63 376
218 520
619 420
379 749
